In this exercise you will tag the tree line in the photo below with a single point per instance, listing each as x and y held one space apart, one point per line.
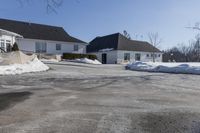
184 53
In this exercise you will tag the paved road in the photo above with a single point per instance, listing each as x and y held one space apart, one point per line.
78 98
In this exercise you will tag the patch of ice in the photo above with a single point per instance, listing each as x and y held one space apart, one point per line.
184 68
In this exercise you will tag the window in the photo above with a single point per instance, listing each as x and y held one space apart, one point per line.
127 56
40 47
58 46
137 57
8 45
75 47
2 44
154 55
158 55
147 55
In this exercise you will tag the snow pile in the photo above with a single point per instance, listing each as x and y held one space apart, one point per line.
15 57
184 68
34 65
88 61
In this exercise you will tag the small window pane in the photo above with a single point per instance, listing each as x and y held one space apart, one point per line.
8 45
40 47
2 44
75 47
137 57
127 56
58 46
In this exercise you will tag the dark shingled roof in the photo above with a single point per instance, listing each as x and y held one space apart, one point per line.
37 31
119 42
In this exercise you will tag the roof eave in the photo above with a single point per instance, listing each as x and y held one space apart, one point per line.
10 33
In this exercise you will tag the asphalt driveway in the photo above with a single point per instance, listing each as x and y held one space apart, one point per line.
79 98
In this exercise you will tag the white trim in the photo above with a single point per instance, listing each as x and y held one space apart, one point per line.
11 33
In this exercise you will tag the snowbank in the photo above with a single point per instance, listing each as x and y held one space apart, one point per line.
31 66
86 60
184 68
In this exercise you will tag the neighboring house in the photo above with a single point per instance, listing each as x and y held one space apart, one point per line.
116 48
38 38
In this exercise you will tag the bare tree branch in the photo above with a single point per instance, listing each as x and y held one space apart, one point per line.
51 5
155 41
126 34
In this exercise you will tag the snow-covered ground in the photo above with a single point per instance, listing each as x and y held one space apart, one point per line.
31 66
184 68
86 60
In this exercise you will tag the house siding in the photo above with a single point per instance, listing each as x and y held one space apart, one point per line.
117 56
111 56
144 58
28 45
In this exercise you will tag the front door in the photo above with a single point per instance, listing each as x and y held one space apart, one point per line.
104 58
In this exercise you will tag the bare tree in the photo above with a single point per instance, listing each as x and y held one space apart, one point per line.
52 5
155 41
196 48
126 34
184 50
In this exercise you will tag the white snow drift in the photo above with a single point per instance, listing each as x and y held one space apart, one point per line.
18 63
184 68
31 66
87 61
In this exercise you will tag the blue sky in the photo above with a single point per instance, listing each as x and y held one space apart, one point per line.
86 19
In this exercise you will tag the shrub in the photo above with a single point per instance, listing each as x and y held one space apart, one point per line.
72 56
15 47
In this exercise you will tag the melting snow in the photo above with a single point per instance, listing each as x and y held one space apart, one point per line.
185 68
86 60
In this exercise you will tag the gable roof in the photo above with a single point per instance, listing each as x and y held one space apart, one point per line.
119 42
37 31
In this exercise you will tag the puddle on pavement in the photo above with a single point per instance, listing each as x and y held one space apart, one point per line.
170 122
10 99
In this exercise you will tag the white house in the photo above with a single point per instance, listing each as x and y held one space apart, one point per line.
38 38
117 49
